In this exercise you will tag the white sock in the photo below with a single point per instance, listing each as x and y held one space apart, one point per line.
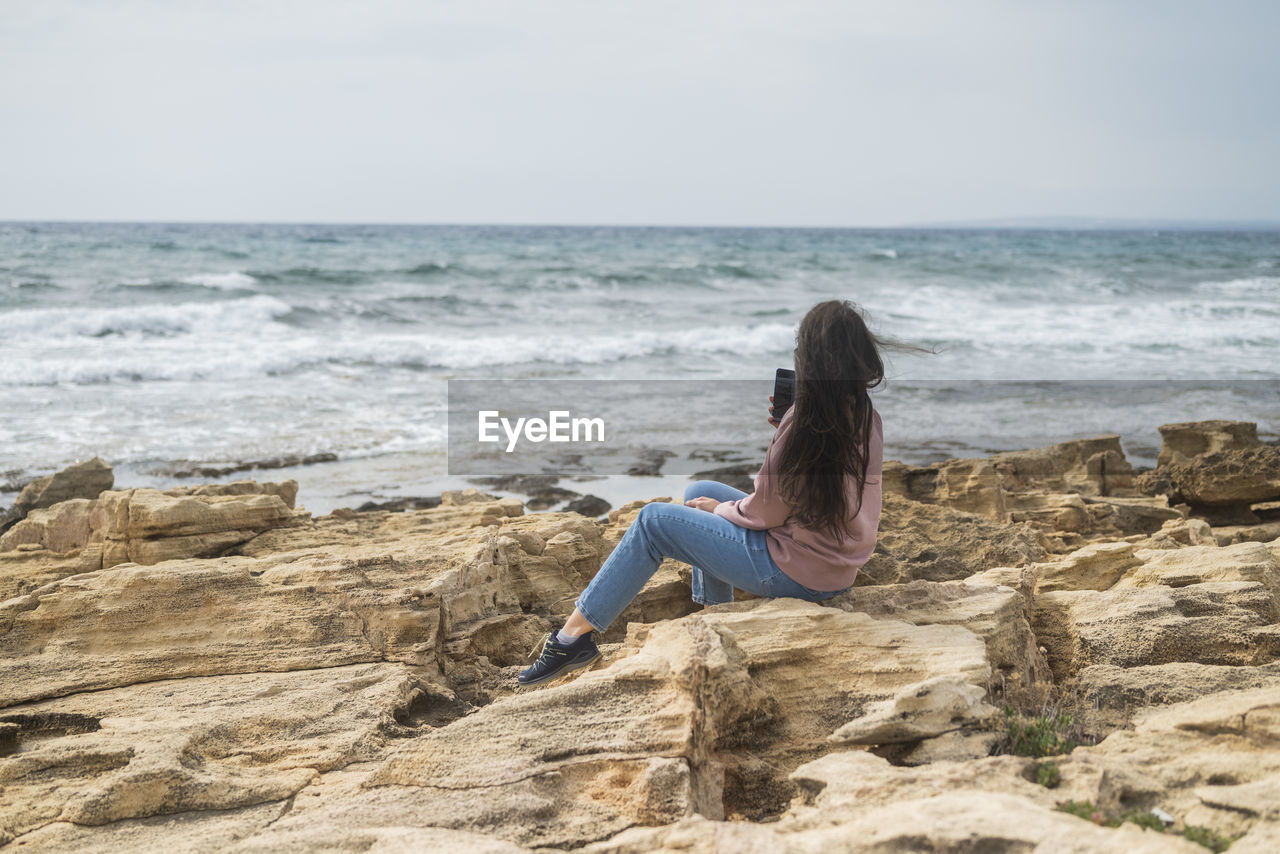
562 638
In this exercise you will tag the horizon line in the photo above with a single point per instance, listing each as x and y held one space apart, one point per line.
1028 223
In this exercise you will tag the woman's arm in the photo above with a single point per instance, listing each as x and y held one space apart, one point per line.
765 508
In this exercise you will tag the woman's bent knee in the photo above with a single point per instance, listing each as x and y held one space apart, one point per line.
699 489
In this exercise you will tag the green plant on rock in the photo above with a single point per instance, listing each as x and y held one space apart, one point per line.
1209 839
1042 735
1148 821
1048 775
1087 811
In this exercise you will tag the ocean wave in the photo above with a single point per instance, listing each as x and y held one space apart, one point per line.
459 352
156 320
1261 286
223 251
429 268
19 284
312 274
222 281
233 349
884 253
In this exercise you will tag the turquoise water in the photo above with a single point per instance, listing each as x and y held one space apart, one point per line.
163 346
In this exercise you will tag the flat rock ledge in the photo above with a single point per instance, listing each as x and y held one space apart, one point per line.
214 669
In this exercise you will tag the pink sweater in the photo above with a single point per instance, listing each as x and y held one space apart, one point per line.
812 558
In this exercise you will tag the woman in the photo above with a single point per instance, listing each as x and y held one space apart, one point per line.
804 532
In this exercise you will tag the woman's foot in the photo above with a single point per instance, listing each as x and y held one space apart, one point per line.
557 659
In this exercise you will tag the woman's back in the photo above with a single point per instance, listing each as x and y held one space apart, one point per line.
816 559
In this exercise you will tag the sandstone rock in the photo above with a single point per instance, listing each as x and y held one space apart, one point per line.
147 526
640 747
1246 561
462 587
1263 532
470 495
934 543
399 534
81 480
996 614
60 528
1231 623
558 562
196 831
677 724
1094 567
286 489
1118 693
950 821
1091 516
23 571
1262 838
1176 533
952 747
1207 762
196 744
969 485
1094 466
347 683
379 840
1220 486
347 594
1119 516
134 624
824 666
1183 442
1260 798
921 710
845 782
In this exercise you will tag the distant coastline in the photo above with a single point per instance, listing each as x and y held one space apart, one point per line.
1090 223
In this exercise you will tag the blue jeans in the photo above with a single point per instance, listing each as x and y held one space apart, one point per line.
723 556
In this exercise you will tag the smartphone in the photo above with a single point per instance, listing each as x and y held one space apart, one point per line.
784 392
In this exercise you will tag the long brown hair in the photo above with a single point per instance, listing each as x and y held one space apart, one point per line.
837 364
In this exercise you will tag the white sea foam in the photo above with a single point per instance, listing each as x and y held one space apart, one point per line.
221 281
885 253
1260 286
472 352
1083 337
235 346
156 319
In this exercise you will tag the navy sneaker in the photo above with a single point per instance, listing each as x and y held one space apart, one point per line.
557 659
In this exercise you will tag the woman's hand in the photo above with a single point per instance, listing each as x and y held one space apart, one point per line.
774 421
703 503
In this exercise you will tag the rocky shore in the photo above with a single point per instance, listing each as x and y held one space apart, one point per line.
1048 652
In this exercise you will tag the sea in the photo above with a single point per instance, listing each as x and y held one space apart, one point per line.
185 353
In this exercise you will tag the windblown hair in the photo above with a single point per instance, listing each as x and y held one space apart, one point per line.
837 362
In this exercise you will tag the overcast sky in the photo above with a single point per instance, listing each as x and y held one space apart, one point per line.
785 112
